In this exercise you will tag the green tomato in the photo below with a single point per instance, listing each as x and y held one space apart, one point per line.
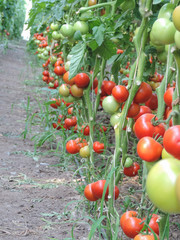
162 32
161 185
46 53
56 35
54 26
53 59
166 11
176 17
128 162
86 15
81 26
48 48
51 84
177 39
67 30
67 65
178 188
37 41
110 105
162 56
84 152
69 57
165 154
64 90
115 118
69 99
158 48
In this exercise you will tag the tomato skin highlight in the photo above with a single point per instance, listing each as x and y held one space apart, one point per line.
89 194
143 127
171 141
148 149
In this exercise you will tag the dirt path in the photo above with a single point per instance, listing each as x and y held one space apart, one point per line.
37 201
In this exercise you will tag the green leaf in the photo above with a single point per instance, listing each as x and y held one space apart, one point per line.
107 49
98 33
95 226
77 53
77 36
93 45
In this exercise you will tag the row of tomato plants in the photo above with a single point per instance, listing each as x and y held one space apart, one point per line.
87 45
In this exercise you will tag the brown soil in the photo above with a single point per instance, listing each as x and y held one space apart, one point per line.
38 201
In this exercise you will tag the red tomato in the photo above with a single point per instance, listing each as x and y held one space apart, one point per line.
98 188
143 127
120 51
120 93
95 83
127 215
82 80
58 63
103 129
145 237
132 170
98 147
152 103
56 84
143 110
67 80
89 194
171 141
168 96
85 130
143 94
148 149
56 104
59 70
46 73
133 110
70 110
81 142
153 224
131 226
72 147
108 86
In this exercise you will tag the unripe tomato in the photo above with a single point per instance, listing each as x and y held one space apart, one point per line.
128 162
84 152
81 26
92 2
89 194
166 11
54 26
161 185
64 90
177 39
76 91
148 149
115 118
110 105
176 17
67 30
178 187
165 154
162 32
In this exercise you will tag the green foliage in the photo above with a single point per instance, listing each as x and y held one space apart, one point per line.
12 17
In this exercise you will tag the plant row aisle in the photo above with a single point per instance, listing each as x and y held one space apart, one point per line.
111 70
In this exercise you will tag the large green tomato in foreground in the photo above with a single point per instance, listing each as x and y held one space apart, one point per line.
162 32
161 185
177 39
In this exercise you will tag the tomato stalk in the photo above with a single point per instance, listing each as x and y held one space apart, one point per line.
162 88
176 94
84 9
164 227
